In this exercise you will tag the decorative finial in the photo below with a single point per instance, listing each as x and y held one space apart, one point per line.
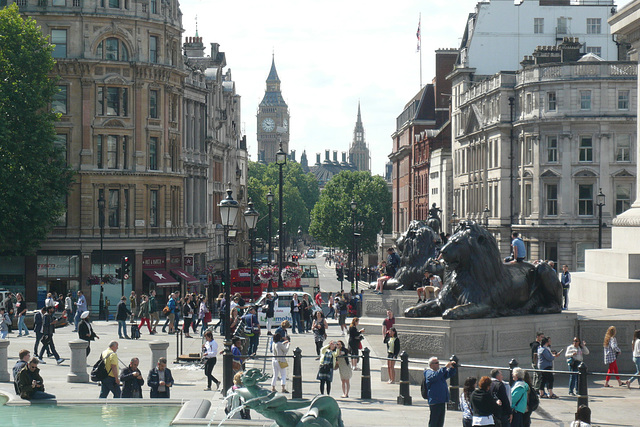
196 25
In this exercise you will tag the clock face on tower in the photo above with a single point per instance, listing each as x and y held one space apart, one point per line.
268 125
285 124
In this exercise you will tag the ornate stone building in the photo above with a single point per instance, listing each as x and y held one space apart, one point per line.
136 131
272 119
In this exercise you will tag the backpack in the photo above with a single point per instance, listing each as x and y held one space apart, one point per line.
99 371
533 400
424 391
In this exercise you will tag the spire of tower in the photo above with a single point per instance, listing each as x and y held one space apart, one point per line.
273 74
359 116
196 25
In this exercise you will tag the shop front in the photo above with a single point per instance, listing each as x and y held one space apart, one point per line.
112 287
58 273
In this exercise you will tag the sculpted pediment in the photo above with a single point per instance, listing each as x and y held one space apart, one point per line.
115 80
623 174
585 173
113 123
550 174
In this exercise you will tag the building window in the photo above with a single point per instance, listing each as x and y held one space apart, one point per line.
125 152
593 25
586 149
596 50
623 198
153 49
99 146
114 208
585 100
551 251
59 101
153 153
529 103
528 150
58 3
114 4
562 26
153 208
59 39
112 49
61 145
585 200
623 100
552 199
153 104
552 149
154 6
527 199
113 101
112 152
551 101
538 25
125 206
581 247
623 148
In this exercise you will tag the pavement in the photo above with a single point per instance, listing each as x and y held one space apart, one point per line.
615 406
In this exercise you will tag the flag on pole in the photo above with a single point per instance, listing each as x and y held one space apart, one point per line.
418 36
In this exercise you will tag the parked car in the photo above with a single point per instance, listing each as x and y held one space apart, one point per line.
29 322
282 308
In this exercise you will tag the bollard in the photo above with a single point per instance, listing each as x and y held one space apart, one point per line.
583 392
78 372
454 391
158 350
296 391
404 398
365 383
4 374
513 364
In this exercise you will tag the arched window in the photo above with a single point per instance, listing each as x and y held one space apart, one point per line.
112 49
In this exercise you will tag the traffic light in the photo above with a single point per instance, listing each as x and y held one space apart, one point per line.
126 267
118 273
349 275
339 274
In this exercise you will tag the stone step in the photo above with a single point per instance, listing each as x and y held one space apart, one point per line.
617 263
605 291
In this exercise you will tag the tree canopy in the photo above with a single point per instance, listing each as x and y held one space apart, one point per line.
34 176
300 193
331 218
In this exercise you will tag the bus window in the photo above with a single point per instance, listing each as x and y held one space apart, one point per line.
309 271
284 301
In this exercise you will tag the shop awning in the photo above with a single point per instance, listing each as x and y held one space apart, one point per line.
161 278
181 274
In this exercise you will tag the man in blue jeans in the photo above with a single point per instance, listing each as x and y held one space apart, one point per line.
81 307
112 382
30 382
296 309
437 390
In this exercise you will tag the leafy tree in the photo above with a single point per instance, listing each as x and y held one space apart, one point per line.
300 193
34 177
331 218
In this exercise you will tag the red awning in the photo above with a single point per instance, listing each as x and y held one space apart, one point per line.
161 278
181 274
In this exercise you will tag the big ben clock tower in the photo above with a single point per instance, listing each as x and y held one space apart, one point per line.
273 119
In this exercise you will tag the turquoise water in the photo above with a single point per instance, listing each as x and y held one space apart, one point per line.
87 415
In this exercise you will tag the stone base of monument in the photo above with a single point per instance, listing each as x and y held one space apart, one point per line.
612 276
483 341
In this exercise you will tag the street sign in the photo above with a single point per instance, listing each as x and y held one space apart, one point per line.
126 277
188 261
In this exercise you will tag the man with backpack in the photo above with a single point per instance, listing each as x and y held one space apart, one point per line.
112 382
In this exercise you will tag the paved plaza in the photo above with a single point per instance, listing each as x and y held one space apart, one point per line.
611 406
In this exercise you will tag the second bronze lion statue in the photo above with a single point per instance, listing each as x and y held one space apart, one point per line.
478 284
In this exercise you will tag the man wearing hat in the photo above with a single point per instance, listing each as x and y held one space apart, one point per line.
85 331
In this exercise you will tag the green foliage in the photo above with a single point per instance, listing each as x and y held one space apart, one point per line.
331 218
34 178
300 194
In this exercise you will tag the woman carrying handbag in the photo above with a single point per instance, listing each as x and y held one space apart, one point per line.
279 364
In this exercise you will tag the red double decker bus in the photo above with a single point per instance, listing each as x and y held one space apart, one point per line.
240 282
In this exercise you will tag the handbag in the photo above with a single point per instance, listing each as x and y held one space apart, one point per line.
360 345
283 364
325 368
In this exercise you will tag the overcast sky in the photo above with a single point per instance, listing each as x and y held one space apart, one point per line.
329 55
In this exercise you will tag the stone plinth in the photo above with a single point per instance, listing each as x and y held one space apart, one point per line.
158 350
78 373
493 341
4 374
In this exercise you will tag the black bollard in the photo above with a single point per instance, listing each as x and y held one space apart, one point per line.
296 391
365 383
583 392
404 398
454 392
513 364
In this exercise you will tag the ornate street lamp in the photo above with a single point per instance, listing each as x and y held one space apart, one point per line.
228 214
251 218
354 260
281 160
270 250
454 218
486 216
101 206
600 197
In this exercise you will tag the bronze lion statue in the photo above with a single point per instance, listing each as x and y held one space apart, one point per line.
415 248
478 284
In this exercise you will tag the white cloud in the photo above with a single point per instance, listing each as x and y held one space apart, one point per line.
329 54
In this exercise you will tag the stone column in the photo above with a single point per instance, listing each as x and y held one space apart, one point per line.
158 350
78 372
4 374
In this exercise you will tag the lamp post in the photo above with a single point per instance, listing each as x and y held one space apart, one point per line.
270 250
281 160
354 261
600 203
454 217
228 213
251 218
101 205
486 216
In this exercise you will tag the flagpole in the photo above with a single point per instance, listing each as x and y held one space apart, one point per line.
420 45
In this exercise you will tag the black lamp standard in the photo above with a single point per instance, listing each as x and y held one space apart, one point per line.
354 261
270 239
454 218
101 205
486 216
251 218
281 160
600 203
228 213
